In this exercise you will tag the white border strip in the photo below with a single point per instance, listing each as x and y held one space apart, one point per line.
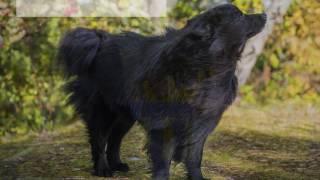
91 8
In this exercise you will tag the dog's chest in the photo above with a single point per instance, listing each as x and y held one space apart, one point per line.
213 96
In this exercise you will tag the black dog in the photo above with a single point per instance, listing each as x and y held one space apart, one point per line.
177 86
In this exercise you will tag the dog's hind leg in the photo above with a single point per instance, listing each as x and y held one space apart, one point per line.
161 151
99 122
121 127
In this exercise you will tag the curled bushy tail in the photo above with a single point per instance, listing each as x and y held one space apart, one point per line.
78 50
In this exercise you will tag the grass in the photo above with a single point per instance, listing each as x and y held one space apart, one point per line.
279 141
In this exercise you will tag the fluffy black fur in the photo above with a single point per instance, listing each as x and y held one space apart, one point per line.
176 86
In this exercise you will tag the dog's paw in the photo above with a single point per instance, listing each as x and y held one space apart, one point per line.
103 172
102 168
122 167
197 177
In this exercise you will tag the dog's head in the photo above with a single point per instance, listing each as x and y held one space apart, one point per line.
225 30
213 39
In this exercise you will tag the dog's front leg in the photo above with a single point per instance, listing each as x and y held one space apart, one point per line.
161 150
193 160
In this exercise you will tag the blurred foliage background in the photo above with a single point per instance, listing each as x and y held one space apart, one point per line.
31 98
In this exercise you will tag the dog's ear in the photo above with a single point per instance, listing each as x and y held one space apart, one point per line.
182 44
200 28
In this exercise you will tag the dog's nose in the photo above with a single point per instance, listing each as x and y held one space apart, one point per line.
264 16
